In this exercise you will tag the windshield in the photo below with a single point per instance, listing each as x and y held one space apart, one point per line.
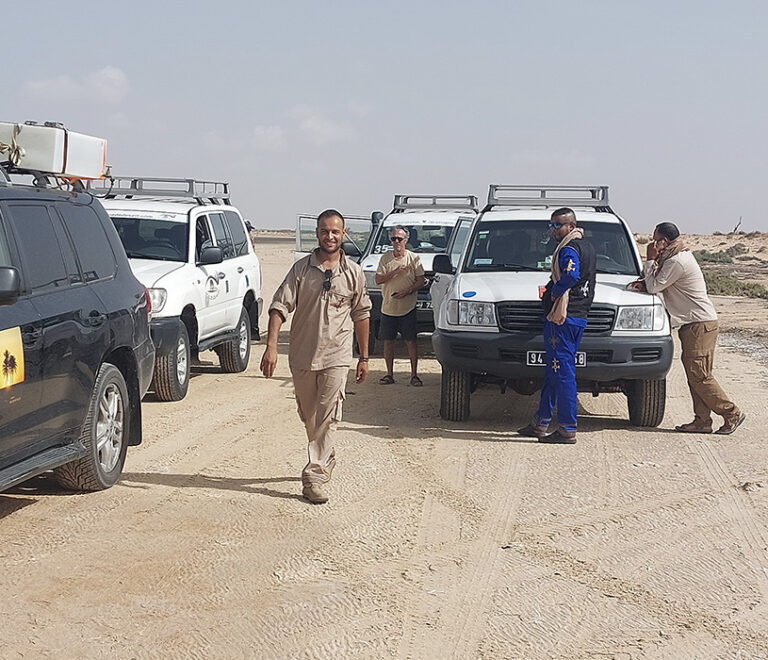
528 245
421 238
150 238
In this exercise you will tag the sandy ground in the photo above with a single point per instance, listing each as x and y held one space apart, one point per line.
440 540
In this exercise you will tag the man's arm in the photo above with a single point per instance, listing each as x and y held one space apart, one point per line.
663 278
420 282
568 260
362 329
381 276
269 359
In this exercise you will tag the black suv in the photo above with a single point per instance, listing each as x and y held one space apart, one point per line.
74 340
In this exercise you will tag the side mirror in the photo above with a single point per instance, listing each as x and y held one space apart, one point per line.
10 285
350 249
211 255
376 218
442 264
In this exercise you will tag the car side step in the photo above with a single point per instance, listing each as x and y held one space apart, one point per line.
208 344
34 465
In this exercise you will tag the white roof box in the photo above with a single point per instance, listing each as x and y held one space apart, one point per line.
51 149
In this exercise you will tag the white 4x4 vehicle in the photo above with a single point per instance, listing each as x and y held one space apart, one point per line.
489 316
430 221
190 248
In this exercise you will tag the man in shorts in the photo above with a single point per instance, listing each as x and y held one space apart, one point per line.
400 275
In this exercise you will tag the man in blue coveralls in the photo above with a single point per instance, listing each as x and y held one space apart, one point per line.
567 299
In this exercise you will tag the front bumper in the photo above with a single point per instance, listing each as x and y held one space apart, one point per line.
425 319
503 355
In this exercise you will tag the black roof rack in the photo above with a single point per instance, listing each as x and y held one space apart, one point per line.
5 180
548 196
203 192
434 203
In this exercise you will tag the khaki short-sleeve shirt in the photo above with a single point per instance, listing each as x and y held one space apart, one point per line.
322 328
388 262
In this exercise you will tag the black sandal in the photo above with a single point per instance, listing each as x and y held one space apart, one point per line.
387 380
416 381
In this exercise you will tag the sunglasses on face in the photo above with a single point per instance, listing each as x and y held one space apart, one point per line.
327 280
396 239
555 225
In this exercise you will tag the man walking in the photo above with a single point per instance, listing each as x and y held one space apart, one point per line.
671 271
567 299
401 275
326 292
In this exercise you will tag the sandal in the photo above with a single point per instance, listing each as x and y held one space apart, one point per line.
416 381
692 427
387 380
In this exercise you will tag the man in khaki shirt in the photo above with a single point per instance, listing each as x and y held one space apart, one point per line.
326 293
401 275
671 271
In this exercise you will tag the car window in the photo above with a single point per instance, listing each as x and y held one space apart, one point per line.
237 231
153 238
528 245
460 240
202 236
5 250
223 239
422 238
43 263
90 241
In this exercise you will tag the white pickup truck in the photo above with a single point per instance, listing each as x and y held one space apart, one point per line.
189 246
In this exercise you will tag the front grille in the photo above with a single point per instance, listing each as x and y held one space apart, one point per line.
646 354
527 317
599 356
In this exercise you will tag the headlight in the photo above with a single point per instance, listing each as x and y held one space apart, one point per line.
370 279
465 312
158 297
645 317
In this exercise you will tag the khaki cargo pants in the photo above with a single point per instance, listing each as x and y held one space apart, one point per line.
698 342
319 398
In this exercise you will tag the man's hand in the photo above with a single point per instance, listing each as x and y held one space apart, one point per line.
361 373
637 285
269 361
400 294
652 251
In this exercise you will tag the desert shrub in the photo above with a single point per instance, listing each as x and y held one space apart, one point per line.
738 248
706 256
720 284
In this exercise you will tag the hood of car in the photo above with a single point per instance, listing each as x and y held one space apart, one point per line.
500 286
371 261
150 271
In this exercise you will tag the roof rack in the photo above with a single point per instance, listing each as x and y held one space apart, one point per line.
204 192
593 196
5 180
434 202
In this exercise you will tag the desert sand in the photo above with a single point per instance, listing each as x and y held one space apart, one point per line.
441 540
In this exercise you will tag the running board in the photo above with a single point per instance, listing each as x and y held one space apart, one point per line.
34 465
208 344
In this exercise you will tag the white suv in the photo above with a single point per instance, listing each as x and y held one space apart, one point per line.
488 310
190 248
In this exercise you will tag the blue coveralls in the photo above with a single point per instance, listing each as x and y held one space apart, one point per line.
561 343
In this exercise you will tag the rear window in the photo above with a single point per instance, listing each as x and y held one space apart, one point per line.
528 245
39 247
89 240
239 239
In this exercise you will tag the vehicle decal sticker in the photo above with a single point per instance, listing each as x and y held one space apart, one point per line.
477 262
12 352
211 288
469 294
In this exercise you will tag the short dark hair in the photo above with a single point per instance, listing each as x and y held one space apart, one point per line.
331 213
668 230
563 211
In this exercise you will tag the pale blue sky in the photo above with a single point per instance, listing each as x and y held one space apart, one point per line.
305 105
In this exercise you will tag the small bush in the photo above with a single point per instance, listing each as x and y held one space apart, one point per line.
738 248
712 257
719 284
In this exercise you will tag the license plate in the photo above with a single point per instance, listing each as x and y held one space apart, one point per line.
423 304
539 359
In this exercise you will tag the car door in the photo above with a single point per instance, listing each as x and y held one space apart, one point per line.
74 329
359 229
244 262
229 277
442 281
21 352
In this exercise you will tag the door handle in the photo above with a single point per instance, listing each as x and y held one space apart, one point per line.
220 276
240 269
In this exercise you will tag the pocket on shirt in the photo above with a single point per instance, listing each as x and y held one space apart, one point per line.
340 301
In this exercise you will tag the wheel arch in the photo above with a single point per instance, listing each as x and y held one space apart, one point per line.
125 361
189 319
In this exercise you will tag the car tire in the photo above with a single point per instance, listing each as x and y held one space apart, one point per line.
454 395
105 435
234 354
172 370
646 401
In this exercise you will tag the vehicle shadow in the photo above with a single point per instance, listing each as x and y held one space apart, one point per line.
255 486
9 505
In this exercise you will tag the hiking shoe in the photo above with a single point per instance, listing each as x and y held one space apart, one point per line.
560 437
315 493
731 424
694 427
531 431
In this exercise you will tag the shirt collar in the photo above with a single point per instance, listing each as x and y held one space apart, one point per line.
316 261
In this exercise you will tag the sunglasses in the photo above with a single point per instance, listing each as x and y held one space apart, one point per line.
555 225
327 280
396 239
